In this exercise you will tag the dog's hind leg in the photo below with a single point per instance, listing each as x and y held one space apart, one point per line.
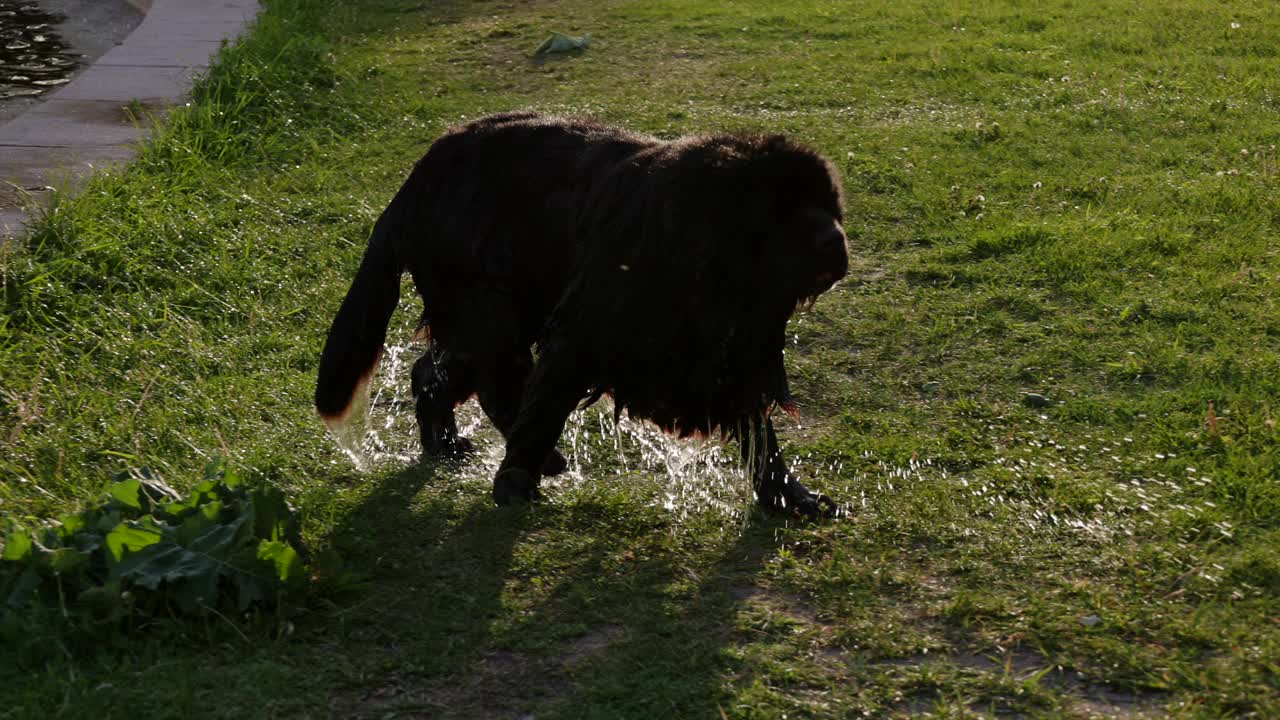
775 487
442 378
501 385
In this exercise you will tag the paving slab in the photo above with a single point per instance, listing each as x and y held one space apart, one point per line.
123 83
201 11
31 174
26 167
98 119
158 52
60 123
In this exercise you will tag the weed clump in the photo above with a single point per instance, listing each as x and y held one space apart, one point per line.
230 546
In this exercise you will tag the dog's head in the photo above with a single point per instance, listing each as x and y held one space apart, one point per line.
793 220
700 252
748 226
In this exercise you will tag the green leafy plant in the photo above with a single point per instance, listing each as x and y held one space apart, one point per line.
229 545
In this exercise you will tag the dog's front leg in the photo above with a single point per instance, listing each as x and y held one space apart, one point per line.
775 487
553 391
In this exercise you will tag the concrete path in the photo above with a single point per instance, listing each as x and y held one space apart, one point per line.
87 124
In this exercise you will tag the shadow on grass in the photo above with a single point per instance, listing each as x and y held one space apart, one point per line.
427 569
594 604
669 650
591 606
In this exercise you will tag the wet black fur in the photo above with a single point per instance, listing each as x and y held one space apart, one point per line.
661 273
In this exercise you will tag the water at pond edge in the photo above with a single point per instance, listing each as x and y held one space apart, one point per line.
44 44
33 56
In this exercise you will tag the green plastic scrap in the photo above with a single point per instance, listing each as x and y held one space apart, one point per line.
559 42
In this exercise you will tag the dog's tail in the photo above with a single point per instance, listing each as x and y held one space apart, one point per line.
354 347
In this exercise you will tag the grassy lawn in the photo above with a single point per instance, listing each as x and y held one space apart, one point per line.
1047 393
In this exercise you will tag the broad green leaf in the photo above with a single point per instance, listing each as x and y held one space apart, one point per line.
107 521
72 524
198 522
127 493
214 470
205 492
132 537
17 546
222 540
225 536
85 542
218 472
288 566
272 514
166 562
212 510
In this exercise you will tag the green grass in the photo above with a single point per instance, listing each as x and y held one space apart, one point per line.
1076 200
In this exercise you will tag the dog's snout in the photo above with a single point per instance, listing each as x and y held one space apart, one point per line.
833 251
832 240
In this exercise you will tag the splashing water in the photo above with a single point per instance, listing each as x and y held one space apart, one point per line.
372 434
1099 492
686 477
693 478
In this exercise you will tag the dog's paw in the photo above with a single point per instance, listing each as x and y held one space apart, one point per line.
454 447
460 446
514 485
796 500
554 464
817 507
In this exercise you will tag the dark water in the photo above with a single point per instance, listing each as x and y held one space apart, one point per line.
33 58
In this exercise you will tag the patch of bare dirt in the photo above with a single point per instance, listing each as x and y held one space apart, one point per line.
791 606
499 684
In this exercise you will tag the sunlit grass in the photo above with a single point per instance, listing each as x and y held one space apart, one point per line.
1075 201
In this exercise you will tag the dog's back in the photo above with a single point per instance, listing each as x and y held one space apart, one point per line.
497 203
484 223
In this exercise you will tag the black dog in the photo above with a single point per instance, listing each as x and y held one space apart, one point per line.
660 273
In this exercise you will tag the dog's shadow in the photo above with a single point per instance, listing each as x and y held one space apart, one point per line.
463 609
